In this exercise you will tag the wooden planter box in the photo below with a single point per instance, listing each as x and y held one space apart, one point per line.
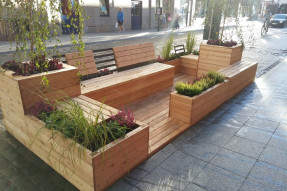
193 109
213 57
83 168
62 83
189 64
176 63
88 170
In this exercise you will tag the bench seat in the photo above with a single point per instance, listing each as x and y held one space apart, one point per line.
130 85
239 75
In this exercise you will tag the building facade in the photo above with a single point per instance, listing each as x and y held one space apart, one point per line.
138 14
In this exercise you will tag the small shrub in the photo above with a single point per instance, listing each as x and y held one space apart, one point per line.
195 52
160 59
35 67
219 78
166 49
125 118
41 107
190 42
221 43
198 85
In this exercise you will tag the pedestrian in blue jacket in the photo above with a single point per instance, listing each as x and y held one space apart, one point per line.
120 19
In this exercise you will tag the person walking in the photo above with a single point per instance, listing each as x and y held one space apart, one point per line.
120 19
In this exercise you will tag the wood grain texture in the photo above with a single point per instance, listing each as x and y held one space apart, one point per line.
193 109
176 63
62 83
120 157
131 85
85 63
189 64
217 57
133 54
78 165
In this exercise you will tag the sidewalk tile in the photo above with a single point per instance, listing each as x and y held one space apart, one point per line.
217 179
183 165
268 175
275 156
254 134
263 124
200 150
245 147
233 162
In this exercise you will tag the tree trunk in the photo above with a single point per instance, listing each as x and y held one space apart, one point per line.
212 20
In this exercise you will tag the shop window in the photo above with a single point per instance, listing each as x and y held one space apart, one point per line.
105 9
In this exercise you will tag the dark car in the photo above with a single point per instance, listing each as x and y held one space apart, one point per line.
278 20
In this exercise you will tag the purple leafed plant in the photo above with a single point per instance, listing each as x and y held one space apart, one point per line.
124 118
41 107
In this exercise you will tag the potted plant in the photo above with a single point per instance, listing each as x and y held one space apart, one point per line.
220 50
195 99
86 145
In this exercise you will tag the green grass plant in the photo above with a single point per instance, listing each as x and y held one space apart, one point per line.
90 130
190 42
167 47
195 88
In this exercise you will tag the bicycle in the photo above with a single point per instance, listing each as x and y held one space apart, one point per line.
264 28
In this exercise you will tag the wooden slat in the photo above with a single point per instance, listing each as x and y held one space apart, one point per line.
133 54
86 63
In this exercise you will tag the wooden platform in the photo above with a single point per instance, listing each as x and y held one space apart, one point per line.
154 110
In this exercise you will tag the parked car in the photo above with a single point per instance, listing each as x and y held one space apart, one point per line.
278 20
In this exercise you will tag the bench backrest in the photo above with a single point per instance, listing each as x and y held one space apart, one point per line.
178 49
86 64
134 54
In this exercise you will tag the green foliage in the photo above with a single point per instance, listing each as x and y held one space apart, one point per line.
195 88
190 42
219 78
33 23
195 52
91 131
166 49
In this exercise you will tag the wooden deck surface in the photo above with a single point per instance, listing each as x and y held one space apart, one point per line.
154 111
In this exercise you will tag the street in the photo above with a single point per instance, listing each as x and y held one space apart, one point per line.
266 50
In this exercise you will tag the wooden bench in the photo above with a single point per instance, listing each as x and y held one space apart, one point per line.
133 82
189 64
239 75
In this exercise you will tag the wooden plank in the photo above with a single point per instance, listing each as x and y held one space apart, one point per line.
133 54
121 157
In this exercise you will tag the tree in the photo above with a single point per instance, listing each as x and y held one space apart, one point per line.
32 23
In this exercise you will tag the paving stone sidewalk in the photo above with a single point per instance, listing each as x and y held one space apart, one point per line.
240 146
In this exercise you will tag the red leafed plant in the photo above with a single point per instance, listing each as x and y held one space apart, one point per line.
160 59
37 66
191 82
125 118
41 107
105 71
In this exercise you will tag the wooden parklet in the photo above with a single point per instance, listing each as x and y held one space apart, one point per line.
193 109
214 58
88 171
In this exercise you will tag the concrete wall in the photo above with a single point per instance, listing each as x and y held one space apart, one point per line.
98 23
